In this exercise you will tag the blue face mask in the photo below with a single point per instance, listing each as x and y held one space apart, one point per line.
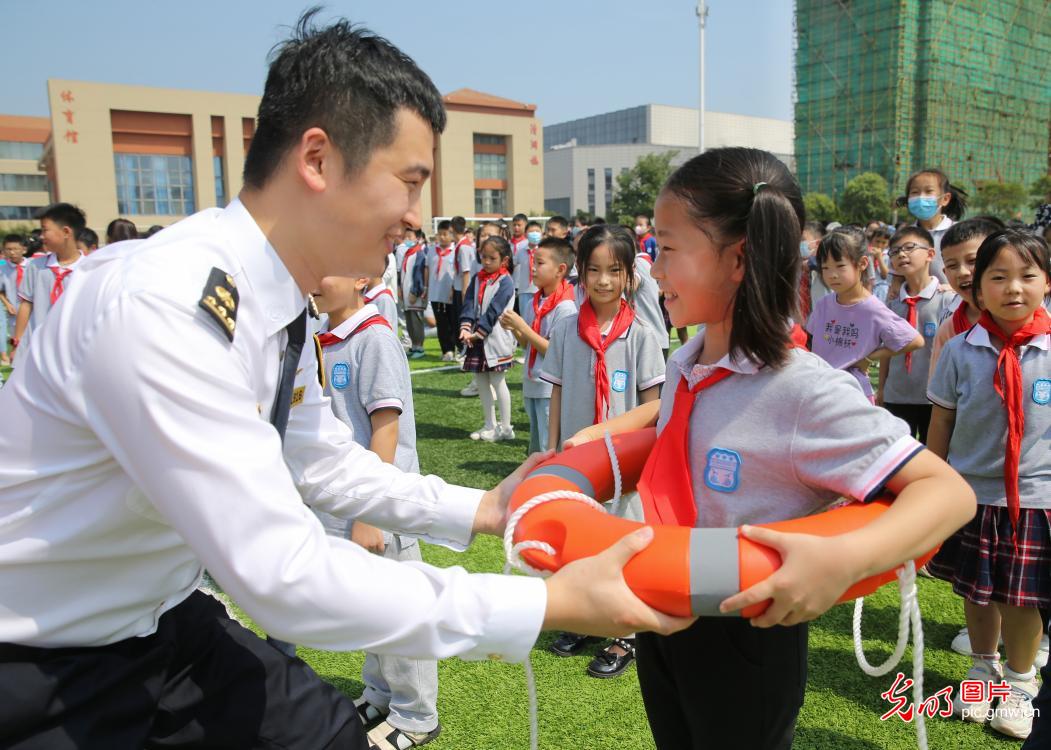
923 206
804 248
533 238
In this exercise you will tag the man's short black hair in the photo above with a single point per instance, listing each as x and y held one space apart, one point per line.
445 224
345 80
65 215
88 237
20 239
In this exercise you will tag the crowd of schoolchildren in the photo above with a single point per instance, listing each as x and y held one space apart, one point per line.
948 314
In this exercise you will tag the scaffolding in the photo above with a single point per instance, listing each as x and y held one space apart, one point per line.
891 86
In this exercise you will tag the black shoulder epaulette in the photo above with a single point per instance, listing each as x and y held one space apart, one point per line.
219 299
320 362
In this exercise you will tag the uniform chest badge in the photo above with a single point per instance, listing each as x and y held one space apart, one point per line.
619 381
722 471
929 330
340 375
220 299
1042 391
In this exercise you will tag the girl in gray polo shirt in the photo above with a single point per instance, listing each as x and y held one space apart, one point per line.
752 431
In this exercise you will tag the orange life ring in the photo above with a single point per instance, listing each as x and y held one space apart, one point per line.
684 570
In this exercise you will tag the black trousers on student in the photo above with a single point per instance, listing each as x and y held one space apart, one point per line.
722 683
457 309
448 325
200 681
918 417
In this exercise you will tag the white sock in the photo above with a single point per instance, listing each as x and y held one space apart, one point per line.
503 398
485 393
1013 676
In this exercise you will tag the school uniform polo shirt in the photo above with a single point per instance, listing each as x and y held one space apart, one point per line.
533 386
37 283
382 297
771 444
647 299
521 273
466 257
910 386
440 282
963 382
635 362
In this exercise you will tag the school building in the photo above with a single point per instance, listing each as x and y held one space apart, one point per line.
155 155
584 157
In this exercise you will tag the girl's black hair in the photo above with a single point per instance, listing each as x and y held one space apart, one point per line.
119 230
957 205
621 243
744 193
913 230
1032 249
501 246
843 242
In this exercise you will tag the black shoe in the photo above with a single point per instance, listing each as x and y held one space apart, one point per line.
569 644
608 664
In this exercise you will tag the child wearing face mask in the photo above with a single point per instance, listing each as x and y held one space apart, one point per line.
644 233
936 204
523 273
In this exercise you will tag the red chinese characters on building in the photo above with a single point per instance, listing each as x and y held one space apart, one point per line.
72 135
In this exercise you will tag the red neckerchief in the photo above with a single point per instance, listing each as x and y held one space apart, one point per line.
1009 386
408 254
911 302
563 292
380 290
960 323
483 280
587 329
442 252
642 242
666 486
531 251
798 336
21 270
60 277
328 338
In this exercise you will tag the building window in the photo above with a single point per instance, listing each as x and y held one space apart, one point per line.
19 213
220 183
490 166
490 202
34 183
489 140
154 185
21 150
609 187
591 192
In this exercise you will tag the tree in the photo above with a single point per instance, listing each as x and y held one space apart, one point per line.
819 207
1003 199
866 197
1040 191
638 187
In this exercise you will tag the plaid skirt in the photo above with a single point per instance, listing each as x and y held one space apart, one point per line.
474 360
982 565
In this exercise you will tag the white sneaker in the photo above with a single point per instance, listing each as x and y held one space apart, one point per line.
961 644
1041 654
447 357
978 711
470 390
1014 714
505 433
488 434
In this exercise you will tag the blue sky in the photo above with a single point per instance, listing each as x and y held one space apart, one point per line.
572 58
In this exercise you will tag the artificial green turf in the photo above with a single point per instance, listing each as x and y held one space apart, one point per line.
484 705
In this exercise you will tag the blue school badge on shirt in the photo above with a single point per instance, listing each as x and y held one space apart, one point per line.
929 330
619 383
1042 391
722 472
340 375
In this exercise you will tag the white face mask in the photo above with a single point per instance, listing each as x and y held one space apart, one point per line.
640 230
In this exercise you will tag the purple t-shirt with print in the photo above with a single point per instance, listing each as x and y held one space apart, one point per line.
843 334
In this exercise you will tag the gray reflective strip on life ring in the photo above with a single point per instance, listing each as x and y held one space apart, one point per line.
571 475
714 570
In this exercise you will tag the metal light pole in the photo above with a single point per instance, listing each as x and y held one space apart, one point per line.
702 20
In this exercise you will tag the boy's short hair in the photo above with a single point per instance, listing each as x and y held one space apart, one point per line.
643 216
516 217
345 80
20 239
815 228
65 215
445 224
913 230
878 231
978 227
88 237
531 224
560 249
459 224
557 221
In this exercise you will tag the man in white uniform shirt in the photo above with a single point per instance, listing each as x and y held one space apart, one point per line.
162 423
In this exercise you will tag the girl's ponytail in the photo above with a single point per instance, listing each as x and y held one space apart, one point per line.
745 193
957 205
